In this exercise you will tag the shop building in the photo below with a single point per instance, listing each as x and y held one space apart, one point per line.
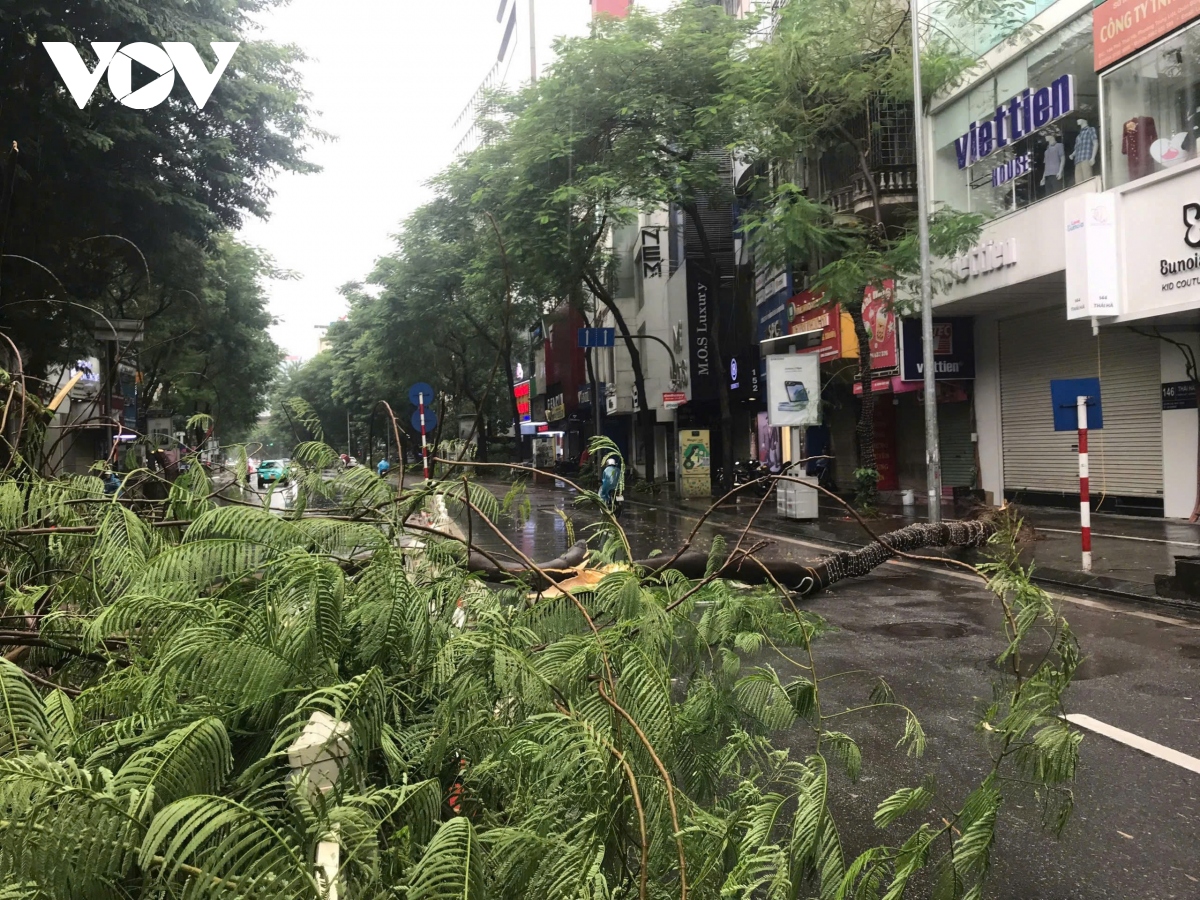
1079 146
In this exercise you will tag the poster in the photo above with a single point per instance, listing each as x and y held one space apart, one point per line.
879 315
770 450
953 349
794 389
695 463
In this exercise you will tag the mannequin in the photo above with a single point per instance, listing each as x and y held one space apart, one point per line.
1053 159
1083 154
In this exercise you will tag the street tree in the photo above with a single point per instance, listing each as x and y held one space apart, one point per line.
99 203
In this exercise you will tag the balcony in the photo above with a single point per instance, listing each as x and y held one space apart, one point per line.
884 135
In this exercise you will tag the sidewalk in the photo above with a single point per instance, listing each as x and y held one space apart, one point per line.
1127 551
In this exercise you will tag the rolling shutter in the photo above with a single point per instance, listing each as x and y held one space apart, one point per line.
955 444
1126 456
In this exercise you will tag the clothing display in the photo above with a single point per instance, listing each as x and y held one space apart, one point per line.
1083 171
1136 137
1085 148
1052 160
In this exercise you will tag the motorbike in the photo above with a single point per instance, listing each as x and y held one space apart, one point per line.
754 472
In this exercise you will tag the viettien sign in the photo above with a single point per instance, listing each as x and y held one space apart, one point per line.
1093 288
1013 169
1122 27
984 258
1017 117
953 349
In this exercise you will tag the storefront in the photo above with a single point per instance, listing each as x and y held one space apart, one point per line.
1025 133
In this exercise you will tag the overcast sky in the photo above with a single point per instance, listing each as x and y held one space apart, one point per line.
389 78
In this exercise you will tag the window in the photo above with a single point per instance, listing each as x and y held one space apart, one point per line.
1048 100
1152 109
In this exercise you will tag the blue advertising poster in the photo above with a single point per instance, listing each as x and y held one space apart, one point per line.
953 350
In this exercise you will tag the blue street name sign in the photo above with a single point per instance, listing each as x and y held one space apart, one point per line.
597 337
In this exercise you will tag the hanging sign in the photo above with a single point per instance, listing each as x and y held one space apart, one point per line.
879 315
953 349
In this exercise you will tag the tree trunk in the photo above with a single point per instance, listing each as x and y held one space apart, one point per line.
866 489
714 345
646 415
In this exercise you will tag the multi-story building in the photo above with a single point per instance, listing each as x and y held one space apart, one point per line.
1079 142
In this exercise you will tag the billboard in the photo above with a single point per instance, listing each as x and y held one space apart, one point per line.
794 389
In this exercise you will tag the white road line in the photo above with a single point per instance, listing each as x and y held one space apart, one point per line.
1121 537
1138 743
969 579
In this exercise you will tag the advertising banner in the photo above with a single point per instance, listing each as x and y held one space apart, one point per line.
1091 256
879 315
770 449
1122 27
1160 246
794 389
695 463
953 349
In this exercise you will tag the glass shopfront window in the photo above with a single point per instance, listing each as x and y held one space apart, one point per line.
1152 109
1025 133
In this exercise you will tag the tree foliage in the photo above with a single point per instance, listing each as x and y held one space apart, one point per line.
621 741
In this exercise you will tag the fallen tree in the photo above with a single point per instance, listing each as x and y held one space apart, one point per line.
608 742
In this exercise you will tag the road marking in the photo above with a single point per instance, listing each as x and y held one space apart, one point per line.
1138 743
1121 537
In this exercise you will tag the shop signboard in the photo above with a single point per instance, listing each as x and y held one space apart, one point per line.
1091 256
879 316
674 399
953 350
556 407
773 318
701 320
1017 117
794 389
838 340
1122 27
1160 245
695 463
524 408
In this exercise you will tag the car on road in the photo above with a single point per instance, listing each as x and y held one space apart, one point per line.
272 471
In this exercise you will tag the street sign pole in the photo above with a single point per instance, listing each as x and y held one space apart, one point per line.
1085 500
424 444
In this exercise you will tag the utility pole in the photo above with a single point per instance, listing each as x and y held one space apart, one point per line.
533 69
933 454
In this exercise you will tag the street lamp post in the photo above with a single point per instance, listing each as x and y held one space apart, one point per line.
933 456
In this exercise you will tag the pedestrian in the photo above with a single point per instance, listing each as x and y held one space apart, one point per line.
610 479
383 468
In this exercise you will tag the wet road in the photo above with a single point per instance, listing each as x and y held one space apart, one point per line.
1136 830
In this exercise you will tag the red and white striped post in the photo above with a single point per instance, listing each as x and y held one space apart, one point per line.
424 445
1085 500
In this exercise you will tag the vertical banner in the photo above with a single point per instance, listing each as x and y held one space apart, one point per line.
695 463
794 389
770 451
702 318
1091 245
879 316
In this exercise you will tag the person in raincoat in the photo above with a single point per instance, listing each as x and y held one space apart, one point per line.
610 480
383 468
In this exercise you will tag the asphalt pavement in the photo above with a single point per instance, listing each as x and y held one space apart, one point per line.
934 637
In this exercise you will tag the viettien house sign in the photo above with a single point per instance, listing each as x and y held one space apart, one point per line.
985 258
1017 117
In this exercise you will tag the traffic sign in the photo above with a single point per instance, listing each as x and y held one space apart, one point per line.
673 399
431 420
415 392
597 337
1065 394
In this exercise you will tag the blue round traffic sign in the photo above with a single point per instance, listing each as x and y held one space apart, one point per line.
415 392
431 420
